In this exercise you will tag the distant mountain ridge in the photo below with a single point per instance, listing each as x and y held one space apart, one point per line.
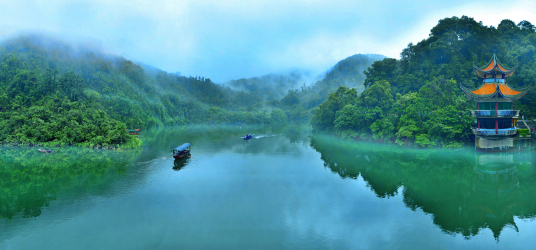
348 72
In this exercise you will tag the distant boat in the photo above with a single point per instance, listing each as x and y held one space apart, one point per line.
247 137
181 151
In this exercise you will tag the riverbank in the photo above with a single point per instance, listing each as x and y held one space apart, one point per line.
131 143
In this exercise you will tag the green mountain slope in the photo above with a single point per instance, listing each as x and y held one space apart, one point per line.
417 98
55 92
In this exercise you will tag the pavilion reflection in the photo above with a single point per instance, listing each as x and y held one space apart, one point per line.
465 191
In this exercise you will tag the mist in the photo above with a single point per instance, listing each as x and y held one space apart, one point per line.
234 40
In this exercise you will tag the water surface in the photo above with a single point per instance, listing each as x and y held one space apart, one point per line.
284 189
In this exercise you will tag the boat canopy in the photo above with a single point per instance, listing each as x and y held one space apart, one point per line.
182 147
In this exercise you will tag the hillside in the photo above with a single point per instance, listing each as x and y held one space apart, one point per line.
54 92
417 98
347 73
297 94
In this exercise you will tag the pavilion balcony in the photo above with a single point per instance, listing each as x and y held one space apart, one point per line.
493 113
495 132
490 80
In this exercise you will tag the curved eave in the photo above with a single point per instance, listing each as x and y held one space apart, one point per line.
494 65
516 96
472 96
481 73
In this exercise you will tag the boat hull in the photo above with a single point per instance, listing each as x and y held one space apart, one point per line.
181 156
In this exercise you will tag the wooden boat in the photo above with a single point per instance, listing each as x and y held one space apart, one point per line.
247 137
45 150
182 151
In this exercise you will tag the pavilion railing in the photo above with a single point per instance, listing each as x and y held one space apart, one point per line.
493 113
493 132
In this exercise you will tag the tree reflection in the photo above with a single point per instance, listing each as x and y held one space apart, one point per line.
29 180
463 190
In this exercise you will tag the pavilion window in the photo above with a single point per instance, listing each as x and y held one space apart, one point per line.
504 123
487 123
505 106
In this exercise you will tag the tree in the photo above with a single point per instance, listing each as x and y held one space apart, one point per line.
278 116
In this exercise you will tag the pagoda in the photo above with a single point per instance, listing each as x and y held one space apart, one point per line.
496 119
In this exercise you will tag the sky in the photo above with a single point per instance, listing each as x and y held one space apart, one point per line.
231 39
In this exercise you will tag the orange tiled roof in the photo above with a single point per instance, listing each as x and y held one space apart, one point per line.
501 67
490 66
486 89
507 90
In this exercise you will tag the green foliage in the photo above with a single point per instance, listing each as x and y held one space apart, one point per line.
383 129
523 132
324 116
31 180
347 121
291 98
57 95
418 97
278 116
424 140
289 92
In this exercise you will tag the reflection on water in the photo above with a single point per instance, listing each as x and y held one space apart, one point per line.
464 190
284 189
29 180
179 164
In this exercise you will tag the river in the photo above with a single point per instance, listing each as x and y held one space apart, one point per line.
283 189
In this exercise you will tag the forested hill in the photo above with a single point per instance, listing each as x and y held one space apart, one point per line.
347 72
55 92
417 98
299 90
273 86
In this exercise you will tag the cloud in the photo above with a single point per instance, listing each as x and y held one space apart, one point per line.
234 39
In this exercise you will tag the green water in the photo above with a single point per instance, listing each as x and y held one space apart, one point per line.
284 189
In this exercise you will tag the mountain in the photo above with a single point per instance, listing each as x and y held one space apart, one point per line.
418 97
300 88
55 92
272 86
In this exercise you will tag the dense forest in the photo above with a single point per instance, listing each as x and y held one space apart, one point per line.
418 99
55 93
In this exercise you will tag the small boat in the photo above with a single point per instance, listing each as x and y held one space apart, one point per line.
247 137
45 150
181 151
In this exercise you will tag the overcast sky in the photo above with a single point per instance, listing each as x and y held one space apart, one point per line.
226 40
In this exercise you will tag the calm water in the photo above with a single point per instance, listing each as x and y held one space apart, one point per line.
282 190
